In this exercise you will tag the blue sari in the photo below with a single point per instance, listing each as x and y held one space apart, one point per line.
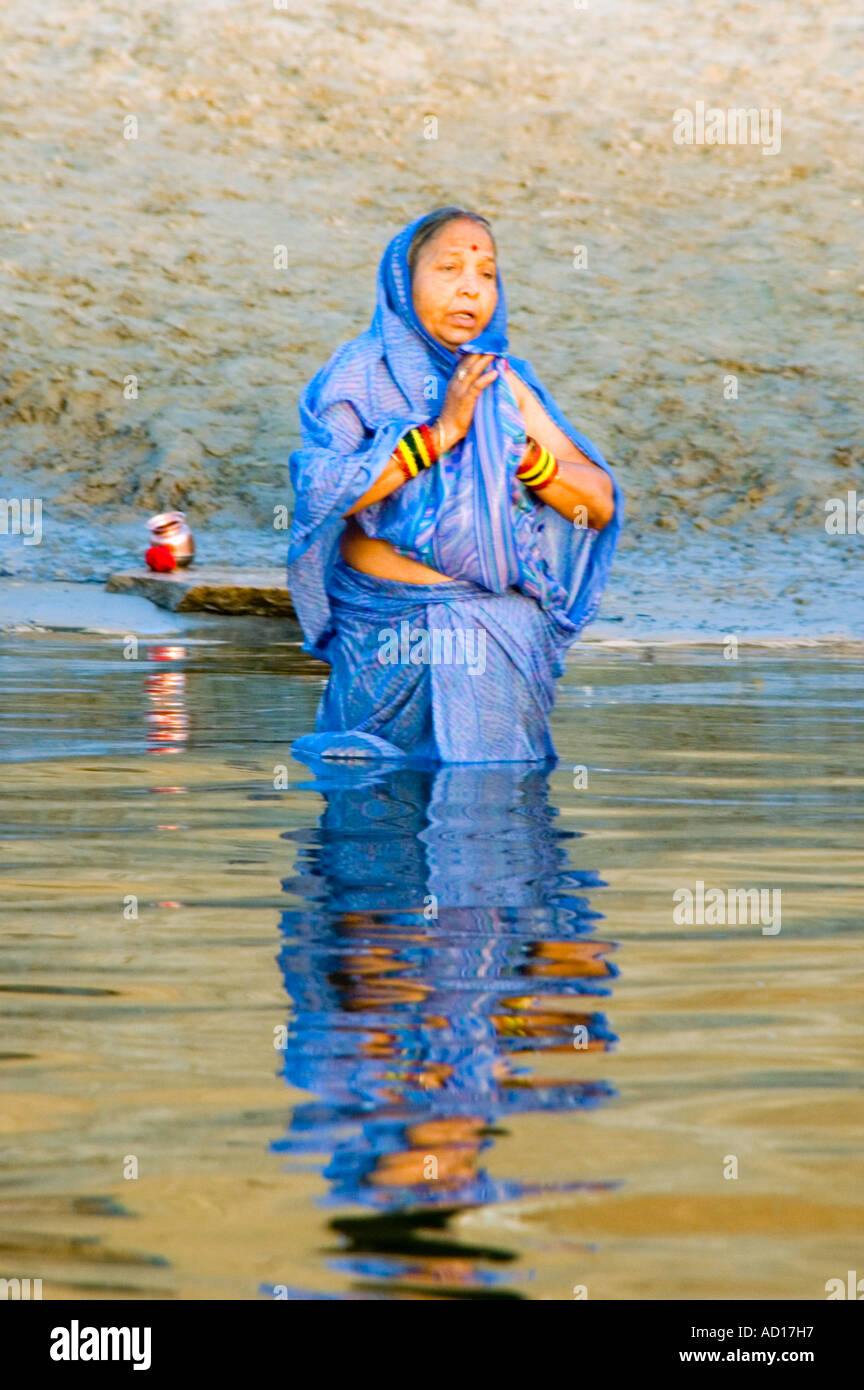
462 671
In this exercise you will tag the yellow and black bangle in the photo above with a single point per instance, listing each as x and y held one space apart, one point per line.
538 467
415 451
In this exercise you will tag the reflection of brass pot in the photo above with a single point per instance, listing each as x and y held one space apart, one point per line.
169 528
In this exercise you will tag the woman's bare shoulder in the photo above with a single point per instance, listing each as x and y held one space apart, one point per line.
522 391
526 399
538 422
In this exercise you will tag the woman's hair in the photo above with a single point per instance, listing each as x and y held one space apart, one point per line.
435 221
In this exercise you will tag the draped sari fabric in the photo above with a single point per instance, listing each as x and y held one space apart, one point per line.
524 579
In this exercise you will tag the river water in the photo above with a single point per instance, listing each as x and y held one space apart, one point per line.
275 1031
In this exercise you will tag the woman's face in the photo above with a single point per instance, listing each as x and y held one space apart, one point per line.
454 286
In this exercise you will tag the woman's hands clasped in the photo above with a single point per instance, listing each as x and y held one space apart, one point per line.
466 383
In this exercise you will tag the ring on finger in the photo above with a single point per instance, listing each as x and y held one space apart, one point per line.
461 373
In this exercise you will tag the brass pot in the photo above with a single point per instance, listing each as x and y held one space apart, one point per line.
170 528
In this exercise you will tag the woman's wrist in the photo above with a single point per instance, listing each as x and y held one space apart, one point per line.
417 450
539 467
447 434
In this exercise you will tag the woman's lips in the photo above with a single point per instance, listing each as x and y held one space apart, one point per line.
463 318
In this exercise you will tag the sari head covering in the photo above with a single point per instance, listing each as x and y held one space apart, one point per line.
467 516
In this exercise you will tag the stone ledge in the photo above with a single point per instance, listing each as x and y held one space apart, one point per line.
210 589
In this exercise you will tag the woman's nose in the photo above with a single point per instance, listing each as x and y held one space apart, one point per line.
470 284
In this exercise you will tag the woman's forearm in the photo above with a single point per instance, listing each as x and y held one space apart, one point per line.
390 479
418 449
582 493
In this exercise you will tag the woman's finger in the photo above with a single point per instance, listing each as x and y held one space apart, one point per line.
475 364
484 381
483 359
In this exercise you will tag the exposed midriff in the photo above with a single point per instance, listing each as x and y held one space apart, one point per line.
378 557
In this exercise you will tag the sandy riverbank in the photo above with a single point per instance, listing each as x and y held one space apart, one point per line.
152 258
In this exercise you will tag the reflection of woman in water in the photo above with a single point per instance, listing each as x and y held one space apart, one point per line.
453 531
440 936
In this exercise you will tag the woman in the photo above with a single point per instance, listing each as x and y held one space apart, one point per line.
452 531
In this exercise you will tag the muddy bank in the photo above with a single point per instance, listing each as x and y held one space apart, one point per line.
154 354
760 590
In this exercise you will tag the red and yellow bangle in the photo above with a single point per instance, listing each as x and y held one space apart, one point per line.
538 467
416 450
